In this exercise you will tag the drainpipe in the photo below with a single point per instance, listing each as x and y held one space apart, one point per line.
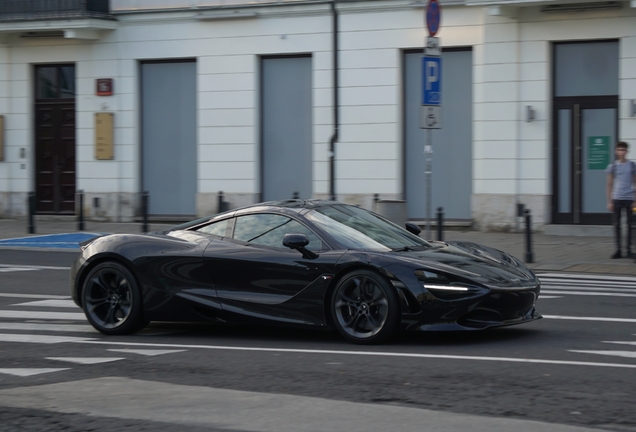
334 137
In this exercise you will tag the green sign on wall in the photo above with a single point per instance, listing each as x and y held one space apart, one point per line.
598 152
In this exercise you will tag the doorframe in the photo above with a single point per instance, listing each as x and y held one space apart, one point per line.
569 102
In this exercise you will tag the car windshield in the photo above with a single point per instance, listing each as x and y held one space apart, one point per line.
356 228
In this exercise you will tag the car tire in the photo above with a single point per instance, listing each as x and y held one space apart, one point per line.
365 308
112 300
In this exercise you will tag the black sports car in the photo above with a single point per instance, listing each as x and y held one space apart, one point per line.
303 263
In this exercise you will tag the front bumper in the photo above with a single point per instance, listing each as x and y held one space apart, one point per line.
498 308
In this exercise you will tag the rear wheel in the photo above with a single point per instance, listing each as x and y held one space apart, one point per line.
112 300
365 308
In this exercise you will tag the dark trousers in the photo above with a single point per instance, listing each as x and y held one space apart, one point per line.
619 206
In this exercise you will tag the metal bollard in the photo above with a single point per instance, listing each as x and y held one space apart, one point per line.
144 211
31 211
440 223
80 216
223 205
296 195
529 255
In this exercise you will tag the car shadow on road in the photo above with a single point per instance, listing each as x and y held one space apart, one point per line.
184 333
479 337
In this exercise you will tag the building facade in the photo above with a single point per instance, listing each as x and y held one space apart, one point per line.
192 99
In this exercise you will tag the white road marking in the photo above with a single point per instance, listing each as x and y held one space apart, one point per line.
621 342
587 285
591 288
604 319
48 327
76 316
146 352
543 297
25 372
86 360
365 353
38 296
34 267
584 276
589 293
50 303
43 339
629 354
15 269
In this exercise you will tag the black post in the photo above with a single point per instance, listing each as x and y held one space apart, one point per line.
80 216
376 198
295 195
529 256
144 211
31 210
440 223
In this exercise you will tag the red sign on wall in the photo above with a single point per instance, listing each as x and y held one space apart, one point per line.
104 86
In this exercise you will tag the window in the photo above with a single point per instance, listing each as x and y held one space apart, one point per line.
217 228
269 229
55 82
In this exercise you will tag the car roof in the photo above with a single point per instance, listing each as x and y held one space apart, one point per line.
295 205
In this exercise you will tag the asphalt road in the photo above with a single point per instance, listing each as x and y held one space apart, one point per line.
574 369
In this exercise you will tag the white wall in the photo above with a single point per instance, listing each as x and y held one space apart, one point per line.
512 65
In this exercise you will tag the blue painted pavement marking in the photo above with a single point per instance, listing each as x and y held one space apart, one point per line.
62 241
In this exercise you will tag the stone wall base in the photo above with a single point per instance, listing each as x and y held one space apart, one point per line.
499 212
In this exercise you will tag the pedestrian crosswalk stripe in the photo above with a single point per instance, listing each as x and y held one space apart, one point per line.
588 293
86 360
25 372
628 354
34 267
79 328
621 342
585 288
587 285
578 318
37 296
76 316
43 339
50 303
146 352
586 277
15 269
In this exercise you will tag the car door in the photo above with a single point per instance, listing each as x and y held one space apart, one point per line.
255 275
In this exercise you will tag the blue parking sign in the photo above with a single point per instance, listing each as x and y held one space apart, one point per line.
431 80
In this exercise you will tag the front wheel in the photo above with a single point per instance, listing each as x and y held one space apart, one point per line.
365 308
112 300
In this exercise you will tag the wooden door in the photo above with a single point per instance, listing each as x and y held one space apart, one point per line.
55 139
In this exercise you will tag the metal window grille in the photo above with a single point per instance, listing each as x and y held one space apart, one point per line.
32 10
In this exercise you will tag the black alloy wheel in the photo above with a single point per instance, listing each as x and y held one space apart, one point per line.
111 300
365 308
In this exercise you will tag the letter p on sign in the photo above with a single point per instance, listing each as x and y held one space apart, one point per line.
432 77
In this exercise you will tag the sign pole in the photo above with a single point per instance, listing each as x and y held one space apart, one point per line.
428 151
431 108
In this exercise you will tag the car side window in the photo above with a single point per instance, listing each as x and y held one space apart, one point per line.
217 228
269 229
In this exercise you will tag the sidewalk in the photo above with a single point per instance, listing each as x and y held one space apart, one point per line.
551 252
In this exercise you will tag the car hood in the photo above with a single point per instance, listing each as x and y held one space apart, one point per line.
479 263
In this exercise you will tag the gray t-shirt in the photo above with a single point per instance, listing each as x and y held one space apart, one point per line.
623 179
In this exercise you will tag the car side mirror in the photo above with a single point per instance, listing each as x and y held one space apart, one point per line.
298 242
412 228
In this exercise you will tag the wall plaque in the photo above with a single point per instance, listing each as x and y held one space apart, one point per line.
104 86
104 128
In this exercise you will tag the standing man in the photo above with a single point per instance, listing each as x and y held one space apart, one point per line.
621 176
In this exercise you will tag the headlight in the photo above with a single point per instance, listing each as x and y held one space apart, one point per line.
444 288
